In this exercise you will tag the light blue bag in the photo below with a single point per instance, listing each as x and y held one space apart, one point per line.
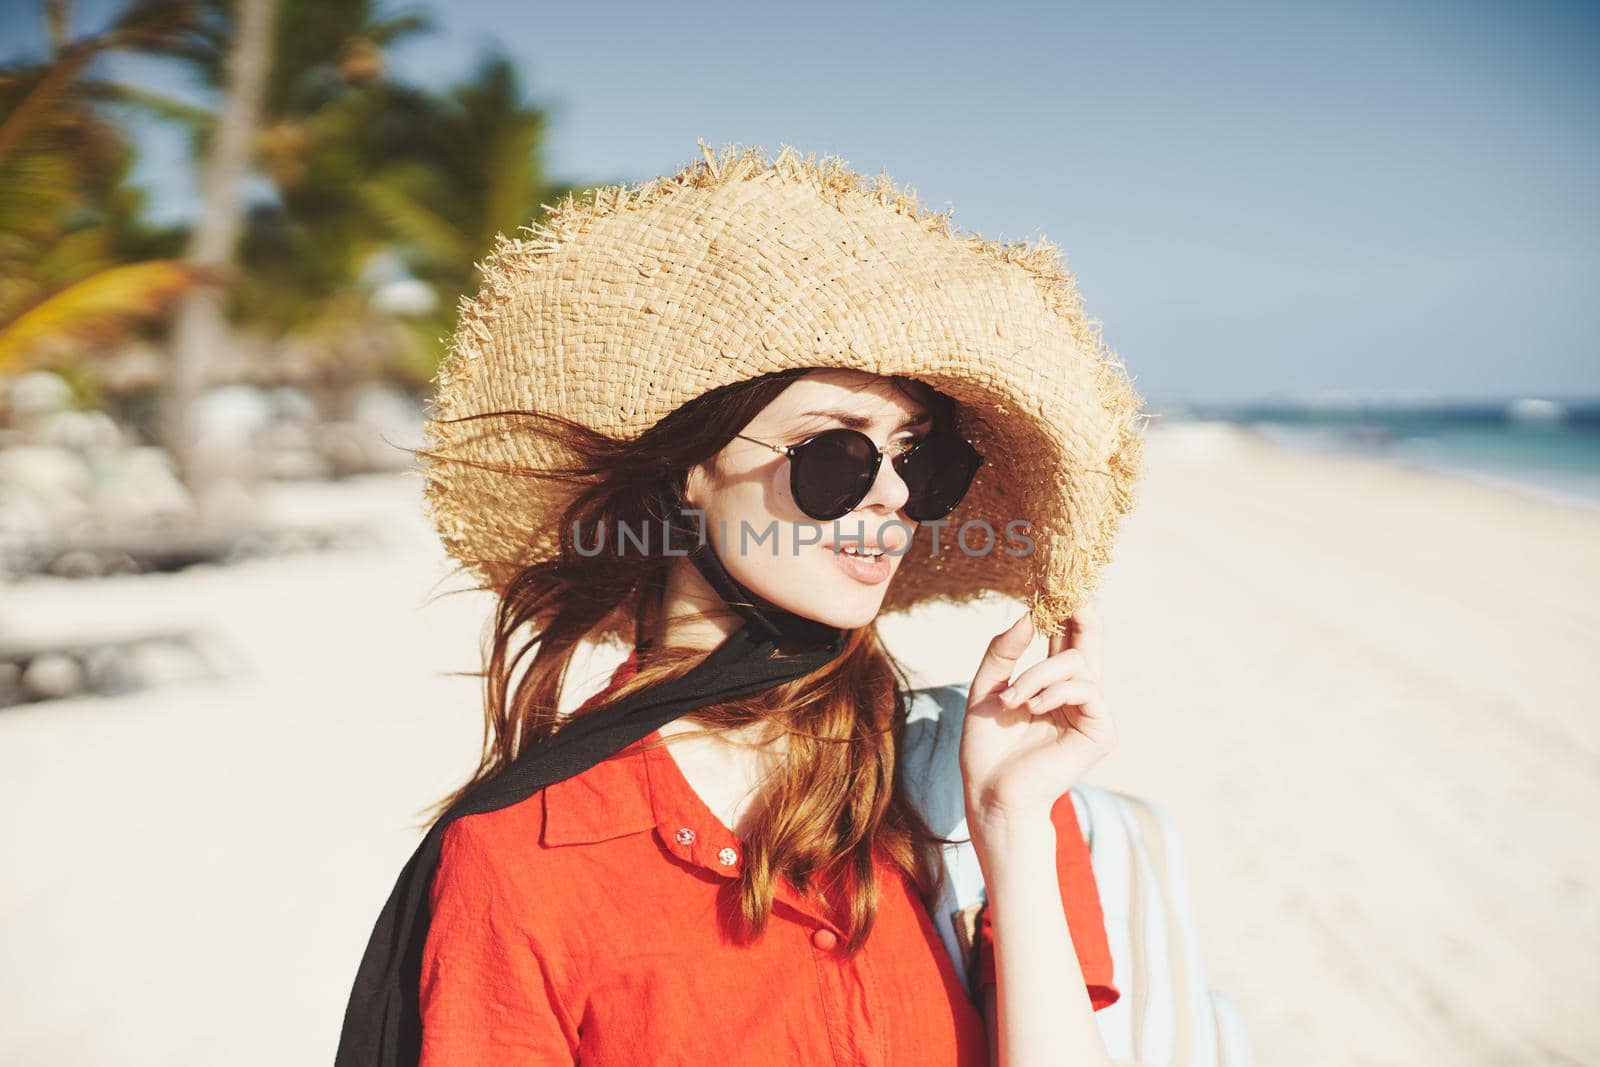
1166 1017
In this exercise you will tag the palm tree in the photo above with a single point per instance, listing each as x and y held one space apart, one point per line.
365 169
329 119
476 170
75 269
199 329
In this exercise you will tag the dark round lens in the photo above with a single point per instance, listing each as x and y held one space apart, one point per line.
833 472
937 472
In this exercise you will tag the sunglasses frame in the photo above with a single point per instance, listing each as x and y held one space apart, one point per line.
790 450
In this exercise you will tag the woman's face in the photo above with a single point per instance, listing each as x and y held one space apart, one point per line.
779 552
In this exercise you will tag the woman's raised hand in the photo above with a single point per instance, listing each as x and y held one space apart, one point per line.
1026 742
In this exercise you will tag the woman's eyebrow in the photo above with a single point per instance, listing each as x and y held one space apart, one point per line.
861 422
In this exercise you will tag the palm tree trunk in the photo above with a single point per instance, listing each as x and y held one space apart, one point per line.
58 19
199 328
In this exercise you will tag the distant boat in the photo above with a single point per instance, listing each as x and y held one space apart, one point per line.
1531 410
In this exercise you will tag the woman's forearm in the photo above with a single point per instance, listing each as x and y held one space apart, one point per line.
1043 1014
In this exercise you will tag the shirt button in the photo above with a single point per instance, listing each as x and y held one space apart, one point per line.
727 857
825 939
685 836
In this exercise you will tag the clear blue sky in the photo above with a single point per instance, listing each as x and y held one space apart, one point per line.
1258 199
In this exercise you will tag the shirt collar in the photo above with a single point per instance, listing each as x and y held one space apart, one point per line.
639 789
608 800
611 798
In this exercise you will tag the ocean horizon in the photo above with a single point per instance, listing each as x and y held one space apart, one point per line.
1548 448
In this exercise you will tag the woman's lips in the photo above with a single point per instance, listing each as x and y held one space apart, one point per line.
867 570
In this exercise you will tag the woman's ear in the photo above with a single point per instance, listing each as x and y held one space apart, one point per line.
694 486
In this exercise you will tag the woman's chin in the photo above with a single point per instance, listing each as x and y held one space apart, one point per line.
855 619
846 604
831 595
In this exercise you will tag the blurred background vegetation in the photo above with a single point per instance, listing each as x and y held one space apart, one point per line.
370 203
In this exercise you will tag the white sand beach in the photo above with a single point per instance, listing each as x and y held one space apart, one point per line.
1361 692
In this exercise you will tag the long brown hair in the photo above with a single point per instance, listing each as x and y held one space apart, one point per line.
835 796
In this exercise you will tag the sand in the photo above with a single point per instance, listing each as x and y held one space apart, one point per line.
1365 695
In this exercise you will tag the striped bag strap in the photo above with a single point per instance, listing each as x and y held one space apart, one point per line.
1166 1017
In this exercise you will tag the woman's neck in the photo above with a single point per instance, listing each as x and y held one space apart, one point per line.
692 614
726 769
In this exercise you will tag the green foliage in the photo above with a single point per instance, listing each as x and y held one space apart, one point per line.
362 169
78 269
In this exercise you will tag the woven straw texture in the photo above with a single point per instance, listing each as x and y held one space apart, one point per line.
623 304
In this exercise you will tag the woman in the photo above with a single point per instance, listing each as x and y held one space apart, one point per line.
763 389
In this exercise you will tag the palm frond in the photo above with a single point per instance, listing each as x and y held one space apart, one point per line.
403 24
149 101
431 235
97 309
151 25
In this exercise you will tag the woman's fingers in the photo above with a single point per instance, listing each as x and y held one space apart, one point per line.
1000 659
1062 641
1057 668
1085 631
1072 692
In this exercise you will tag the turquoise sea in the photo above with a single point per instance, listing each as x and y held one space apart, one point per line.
1544 447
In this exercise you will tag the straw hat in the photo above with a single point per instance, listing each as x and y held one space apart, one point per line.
623 305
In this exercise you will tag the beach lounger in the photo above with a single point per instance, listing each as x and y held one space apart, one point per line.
1165 1016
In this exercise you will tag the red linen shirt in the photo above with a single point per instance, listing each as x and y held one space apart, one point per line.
582 925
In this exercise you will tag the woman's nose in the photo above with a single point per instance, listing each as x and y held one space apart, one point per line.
889 491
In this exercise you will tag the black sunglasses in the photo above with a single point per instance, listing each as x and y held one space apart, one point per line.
833 471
